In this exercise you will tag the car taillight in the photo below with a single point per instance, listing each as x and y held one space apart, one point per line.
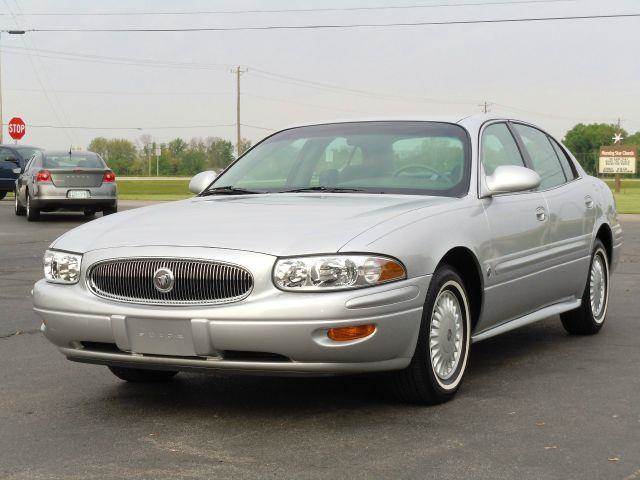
43 176
109 177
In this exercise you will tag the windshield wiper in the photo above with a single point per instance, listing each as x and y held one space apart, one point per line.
228 190
321 188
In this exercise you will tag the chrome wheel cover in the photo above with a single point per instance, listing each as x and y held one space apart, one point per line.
28 205
598 283
446 334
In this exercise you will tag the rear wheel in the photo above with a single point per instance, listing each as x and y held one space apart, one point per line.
589 317
19 209
141 375
110 209
440 359
32 213
3 194
89 213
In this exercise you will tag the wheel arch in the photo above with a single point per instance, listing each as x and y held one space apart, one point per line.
605 235
467 264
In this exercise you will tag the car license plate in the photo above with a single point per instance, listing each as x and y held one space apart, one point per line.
78 194
159 336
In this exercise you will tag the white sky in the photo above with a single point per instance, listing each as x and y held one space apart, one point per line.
566 71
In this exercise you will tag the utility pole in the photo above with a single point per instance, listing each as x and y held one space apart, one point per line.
238 71
618 139
485 106
10 32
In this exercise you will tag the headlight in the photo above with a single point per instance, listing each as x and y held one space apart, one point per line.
335 272
61 267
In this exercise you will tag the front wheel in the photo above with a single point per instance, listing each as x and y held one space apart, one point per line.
3 194
589 318
141 375
440 359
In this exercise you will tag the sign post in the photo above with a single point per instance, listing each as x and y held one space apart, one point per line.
158 152
618 160
17 128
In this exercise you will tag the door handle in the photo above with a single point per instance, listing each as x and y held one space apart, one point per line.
588 201
541 214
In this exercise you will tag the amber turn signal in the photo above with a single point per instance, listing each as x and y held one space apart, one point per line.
345 334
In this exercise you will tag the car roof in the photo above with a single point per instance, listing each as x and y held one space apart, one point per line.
72 153
470 121
18 147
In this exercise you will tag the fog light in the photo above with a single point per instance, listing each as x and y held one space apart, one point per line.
345 334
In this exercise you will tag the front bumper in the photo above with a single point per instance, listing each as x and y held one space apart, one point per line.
269 331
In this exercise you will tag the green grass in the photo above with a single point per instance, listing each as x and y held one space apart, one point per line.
628 200
153 189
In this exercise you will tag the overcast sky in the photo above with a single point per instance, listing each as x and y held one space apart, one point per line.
555 73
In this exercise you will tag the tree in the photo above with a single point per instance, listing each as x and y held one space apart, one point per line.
585 141
120 154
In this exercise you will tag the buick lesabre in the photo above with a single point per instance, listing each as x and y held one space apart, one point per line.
338 248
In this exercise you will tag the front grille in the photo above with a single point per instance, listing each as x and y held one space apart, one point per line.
196 282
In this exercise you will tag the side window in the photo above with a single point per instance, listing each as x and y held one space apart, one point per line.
6 154
499 148
35 162
565 161
543 157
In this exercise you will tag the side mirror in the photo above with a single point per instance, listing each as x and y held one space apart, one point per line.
17 171
201 181
510 179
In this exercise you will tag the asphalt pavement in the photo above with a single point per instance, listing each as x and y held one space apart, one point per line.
536 403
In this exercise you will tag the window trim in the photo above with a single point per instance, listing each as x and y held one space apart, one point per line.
481 175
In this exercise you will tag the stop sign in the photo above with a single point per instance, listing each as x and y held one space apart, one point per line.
17 128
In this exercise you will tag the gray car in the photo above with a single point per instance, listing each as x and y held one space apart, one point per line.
76 181
342 248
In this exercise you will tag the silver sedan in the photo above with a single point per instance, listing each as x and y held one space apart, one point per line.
79 181
342 248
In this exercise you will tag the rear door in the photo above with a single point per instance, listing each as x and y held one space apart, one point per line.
519 235
571 211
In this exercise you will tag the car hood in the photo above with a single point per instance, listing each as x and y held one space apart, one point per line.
275 224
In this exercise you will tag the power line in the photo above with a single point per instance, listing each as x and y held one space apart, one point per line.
164 127
334 26
122 60
292 10
353 91
39 79
113 92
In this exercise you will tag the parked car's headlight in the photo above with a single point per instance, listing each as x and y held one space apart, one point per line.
335 272
61 267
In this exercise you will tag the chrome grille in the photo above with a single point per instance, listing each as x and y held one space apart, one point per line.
196 282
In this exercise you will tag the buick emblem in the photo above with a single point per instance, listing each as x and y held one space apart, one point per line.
163 280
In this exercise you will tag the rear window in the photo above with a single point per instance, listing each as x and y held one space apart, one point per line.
27 153
72 161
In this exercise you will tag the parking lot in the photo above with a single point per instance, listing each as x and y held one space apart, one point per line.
536 403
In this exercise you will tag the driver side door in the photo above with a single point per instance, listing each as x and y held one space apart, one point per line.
519 228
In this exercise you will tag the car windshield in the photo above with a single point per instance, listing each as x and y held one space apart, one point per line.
26 152
426 158
64 160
